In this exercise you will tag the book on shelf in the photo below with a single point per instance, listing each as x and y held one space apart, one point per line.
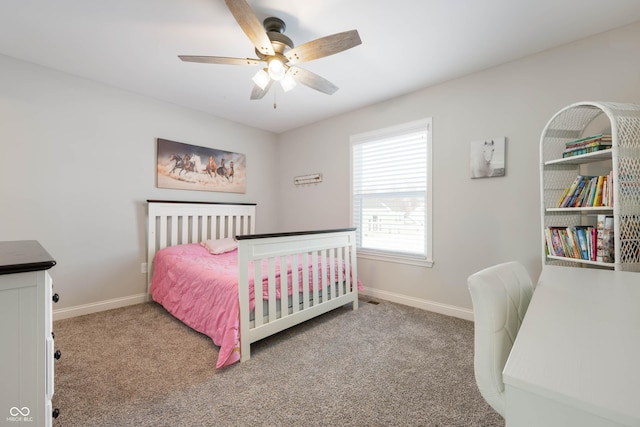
608 248
556 242
603 138
576 193
597 200
577 242
572 242
608 191
585 150
587 191
549 243
569 192
562 197
610 200
563 249
599 236
583 242
588 144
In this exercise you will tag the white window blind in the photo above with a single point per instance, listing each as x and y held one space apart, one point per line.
390 190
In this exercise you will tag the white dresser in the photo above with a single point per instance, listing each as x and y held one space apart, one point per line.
27 353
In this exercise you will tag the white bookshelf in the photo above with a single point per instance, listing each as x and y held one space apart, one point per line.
623 159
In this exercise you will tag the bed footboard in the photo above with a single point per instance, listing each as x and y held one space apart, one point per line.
328 279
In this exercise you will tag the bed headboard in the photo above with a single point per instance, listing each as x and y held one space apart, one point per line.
171 223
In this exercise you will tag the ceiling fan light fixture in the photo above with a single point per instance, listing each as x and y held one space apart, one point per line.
288 82
261 79
277 69
277 50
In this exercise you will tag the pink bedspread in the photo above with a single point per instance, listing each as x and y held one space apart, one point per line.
201 290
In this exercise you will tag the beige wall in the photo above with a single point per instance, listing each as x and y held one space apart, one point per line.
78 162
478 222
76 153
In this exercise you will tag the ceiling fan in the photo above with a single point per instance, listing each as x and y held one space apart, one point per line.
277 54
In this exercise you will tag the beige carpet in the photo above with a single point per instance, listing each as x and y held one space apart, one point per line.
382 365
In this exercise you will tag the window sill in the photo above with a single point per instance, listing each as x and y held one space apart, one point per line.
397 259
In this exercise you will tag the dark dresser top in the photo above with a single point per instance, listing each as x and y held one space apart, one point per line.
24 255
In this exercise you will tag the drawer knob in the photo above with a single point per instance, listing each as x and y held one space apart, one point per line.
56 297
57 355
55 413
53 335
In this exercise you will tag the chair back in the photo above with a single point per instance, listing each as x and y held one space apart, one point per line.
500 297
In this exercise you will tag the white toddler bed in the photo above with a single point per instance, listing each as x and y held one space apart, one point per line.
175 230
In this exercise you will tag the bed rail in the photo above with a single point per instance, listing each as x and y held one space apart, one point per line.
318 255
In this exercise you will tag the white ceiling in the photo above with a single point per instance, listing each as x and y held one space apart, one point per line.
406 45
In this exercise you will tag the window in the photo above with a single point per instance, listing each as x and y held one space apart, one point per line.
391 193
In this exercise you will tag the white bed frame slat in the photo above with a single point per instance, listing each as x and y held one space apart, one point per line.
259 308
344 259
332 273
175 223
273 301
314 277
295 296
305 281
284 283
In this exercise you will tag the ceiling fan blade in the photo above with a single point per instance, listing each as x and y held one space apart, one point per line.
251 25
313 80
219 60
258 93
324 46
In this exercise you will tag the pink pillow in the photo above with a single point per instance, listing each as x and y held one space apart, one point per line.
220 246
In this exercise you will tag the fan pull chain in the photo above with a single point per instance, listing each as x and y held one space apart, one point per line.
274 99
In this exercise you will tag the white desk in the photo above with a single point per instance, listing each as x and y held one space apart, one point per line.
576 359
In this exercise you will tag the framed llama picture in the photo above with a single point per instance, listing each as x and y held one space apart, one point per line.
189 167
488 158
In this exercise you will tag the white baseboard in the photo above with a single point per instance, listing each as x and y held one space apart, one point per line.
79 310
449 310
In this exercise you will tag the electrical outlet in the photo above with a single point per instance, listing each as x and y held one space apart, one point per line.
143 267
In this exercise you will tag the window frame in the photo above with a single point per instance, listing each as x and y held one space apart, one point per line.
424 124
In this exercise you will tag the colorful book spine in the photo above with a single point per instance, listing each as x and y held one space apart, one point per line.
569 195
586 145
581 233
548 238
585 150
576 193
598 196
588 199
602 137
587 191
579 242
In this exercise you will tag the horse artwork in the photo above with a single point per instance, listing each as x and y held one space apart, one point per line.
190 167
488 158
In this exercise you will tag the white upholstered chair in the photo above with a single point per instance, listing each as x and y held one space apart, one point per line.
500 296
